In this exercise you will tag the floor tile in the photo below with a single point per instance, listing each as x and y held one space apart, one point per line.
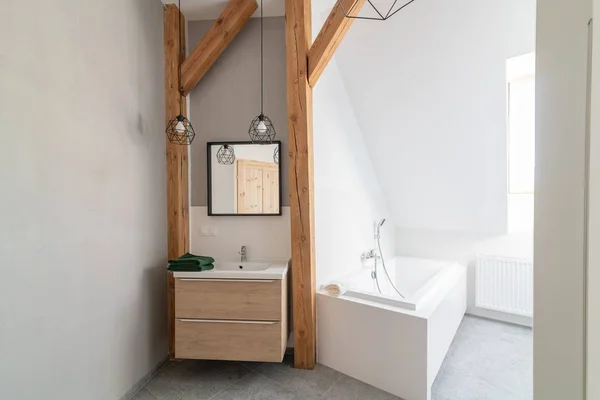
163 385
351 389
144 394
251 364
487 360
257 387
195 379
457 385
310 384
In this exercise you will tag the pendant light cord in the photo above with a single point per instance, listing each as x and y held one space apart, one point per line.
179 57
262 73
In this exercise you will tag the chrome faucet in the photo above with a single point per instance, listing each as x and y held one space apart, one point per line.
242 253
370 255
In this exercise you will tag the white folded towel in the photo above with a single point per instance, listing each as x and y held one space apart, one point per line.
334 289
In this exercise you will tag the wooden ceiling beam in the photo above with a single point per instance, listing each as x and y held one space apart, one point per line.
333 31
215 41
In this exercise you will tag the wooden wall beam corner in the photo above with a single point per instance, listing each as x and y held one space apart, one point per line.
330 36
222 32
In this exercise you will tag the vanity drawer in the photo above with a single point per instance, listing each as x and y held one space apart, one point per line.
229 340
252 300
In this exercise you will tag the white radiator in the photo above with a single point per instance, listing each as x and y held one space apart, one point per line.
504 284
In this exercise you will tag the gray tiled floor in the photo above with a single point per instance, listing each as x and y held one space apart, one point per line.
487 361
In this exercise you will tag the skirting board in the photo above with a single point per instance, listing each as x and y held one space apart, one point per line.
145 379
500 316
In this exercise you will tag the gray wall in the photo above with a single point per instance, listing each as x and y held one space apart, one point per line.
560 158
228 97
83 205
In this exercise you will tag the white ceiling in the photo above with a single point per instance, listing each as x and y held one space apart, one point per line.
195 10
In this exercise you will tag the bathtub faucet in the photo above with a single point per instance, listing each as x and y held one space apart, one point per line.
370 255
243 254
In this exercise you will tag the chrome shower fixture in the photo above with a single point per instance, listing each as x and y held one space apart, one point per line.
377 228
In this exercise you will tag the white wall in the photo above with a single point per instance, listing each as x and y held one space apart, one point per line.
431 102
429 91
348 199
561 76
222 237
431 99
83 204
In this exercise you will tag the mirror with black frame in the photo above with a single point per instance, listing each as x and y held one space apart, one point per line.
244 178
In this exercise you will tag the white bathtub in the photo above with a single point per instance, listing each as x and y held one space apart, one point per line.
417 279
395 344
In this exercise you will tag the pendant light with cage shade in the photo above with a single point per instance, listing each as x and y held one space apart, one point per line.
261 129
377 14
179 129
226 155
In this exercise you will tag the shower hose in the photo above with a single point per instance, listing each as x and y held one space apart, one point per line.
384 270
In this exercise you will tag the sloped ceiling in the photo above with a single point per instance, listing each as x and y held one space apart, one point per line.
429 91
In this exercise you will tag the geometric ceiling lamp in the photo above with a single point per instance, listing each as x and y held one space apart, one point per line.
226 155
179 129
381 13
261 129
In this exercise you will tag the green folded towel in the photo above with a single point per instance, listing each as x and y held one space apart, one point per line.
192 258
191 262
190 268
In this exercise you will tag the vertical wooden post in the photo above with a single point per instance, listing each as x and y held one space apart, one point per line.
300 124
177 156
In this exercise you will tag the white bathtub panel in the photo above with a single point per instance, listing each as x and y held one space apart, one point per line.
383 348
443 325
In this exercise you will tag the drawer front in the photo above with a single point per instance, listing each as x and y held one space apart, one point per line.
228 299
229 340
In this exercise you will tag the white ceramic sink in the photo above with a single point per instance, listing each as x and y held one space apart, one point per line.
242 266
267 270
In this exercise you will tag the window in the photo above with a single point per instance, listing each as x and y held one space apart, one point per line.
521 137
521 141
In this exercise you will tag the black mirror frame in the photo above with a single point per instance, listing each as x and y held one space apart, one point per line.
209 146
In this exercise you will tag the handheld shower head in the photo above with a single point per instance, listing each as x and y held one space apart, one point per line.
379 225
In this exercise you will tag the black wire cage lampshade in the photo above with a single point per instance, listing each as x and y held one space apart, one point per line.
226 155
378 13
180 130
261 129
